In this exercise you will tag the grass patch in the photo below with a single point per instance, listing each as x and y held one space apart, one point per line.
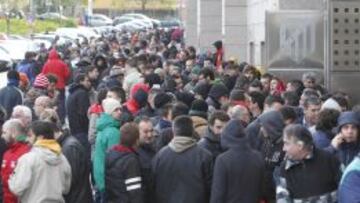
21 27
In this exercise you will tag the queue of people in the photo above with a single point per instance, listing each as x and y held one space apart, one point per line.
139 117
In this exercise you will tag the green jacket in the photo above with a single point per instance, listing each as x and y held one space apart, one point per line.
108 135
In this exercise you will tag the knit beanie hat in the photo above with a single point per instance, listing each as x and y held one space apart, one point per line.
109 105
347 117
218 90
41 81
331 104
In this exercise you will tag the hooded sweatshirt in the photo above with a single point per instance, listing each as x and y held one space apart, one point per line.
271 145
238 167
42 175
108 135
56 66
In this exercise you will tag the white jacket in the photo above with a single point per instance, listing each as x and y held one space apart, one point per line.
41 176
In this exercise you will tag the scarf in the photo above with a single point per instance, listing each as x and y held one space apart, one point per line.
53 145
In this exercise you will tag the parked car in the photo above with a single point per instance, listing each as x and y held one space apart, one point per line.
142 17
122 19
16 49
170 23
98 20
52 16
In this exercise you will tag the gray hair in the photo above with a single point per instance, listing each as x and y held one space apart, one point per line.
22 112
15 124
309 76
238 112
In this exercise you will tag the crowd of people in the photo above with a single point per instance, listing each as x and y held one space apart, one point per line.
139 117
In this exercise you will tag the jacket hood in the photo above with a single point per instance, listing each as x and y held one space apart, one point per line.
49 150
273 123
106 121
180 144
233 135
347 118
198 121
198 115
53 55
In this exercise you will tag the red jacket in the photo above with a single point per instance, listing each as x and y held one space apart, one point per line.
11 156
56 66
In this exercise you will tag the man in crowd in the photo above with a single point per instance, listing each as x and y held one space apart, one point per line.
211 140
123 177
77 107
43 174
238 167
307 174
14 134
174 182
146 152
11 95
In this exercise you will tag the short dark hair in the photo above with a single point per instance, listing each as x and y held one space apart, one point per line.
52 78
271 99
256 84
165 110
327 119
257 98
101 95
288 112
291 98
183 126
129 134
299 86
301 133
218 115
267 76
207 72
311 101
237 95
179 109
42 128
13 75
119 91
80 78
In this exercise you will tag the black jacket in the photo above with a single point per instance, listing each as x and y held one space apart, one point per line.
10 96
271 147
211 143
315 176
123 182
183 177
146 154
80 191
239 172
77 106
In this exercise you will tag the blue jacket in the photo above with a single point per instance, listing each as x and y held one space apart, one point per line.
322 139
349 189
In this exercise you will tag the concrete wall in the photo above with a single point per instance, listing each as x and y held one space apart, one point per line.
210 23
256 10
235 29
190 20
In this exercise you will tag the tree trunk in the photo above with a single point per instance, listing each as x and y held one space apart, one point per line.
143 4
